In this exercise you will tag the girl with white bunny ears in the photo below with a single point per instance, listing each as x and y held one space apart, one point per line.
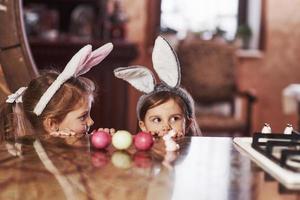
158 96
57 104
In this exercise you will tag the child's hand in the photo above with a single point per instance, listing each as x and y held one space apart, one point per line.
108 130
156 133
162 133
63 133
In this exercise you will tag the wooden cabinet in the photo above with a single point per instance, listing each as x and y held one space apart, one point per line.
54 51
110 107
85 19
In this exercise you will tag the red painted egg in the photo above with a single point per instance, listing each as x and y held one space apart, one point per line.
143 141
100 139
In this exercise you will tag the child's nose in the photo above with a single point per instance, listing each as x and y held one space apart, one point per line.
167 127
90 122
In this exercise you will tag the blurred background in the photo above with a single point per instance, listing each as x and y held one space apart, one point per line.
260 55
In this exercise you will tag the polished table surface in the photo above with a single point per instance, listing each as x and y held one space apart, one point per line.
204 168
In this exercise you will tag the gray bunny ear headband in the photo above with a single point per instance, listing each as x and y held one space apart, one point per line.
167 67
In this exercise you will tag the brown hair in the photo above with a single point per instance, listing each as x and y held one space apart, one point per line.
161 97
66 99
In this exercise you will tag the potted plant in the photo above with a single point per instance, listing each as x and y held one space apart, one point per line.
244 34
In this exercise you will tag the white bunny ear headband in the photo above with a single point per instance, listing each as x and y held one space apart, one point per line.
167 67
80 64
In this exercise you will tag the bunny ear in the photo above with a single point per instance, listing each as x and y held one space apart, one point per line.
76 61
94 58
165 62
70 70
79 64
139 77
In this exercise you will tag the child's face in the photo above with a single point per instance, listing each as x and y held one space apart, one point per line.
79 120
163 118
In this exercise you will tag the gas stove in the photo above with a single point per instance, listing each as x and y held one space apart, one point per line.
276 153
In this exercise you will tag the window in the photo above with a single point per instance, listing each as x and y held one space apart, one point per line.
214 17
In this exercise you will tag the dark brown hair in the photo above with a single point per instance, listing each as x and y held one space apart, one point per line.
161 97
66 99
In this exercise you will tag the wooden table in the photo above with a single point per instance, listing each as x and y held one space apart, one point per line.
204 168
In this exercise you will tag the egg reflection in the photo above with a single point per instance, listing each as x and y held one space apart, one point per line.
142 159
100 158
121 159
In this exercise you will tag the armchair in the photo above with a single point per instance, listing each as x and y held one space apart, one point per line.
208 73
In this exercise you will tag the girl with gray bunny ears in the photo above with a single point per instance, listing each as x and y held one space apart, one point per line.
55 103
164 106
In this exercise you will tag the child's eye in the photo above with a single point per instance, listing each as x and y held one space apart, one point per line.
175 118
83 117
156 120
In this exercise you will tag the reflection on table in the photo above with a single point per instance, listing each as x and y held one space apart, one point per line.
204 168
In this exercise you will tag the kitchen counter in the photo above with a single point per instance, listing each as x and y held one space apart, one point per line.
203 168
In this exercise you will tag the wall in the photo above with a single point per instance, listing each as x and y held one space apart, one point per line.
267 75
136 32
279 66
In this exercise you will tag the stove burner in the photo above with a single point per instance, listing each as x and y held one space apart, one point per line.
277 154
280 148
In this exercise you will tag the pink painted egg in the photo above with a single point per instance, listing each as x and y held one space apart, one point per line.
143 141
99 159
142 159
100 139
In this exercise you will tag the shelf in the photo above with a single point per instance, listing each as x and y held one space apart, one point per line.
82 17
59 1
249 53
67 46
